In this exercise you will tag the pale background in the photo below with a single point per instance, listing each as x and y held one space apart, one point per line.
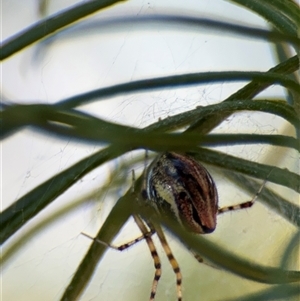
81 61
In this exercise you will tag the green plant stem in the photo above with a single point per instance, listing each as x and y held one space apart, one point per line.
50 25
264 79
120 214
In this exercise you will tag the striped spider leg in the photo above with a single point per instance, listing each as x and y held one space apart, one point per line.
157 264
146 235
156 259
244 205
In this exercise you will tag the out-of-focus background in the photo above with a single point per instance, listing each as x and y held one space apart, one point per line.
96 53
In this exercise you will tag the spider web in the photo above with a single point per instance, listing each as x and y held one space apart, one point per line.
50 250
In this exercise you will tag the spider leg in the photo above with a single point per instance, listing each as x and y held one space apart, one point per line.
202 261
147 236
124 246
244 205
197 257
172 261
153 252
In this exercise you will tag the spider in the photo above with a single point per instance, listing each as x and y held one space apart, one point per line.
178 186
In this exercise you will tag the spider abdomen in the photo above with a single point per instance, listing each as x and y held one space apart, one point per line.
179 185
